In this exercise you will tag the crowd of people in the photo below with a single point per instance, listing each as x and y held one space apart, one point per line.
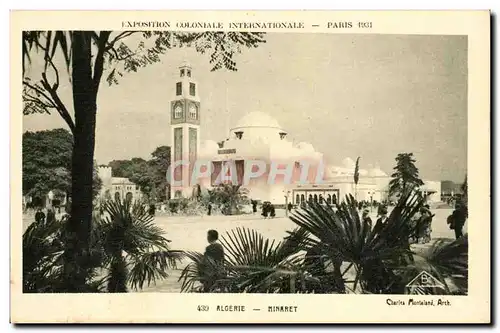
41 217
268 210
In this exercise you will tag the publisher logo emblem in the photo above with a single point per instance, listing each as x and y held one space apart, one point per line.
425 283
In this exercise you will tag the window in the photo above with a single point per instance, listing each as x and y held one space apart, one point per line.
178 111
179 88
192 89
193 112
182 72
189 73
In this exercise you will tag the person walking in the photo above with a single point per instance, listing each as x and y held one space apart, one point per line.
209 212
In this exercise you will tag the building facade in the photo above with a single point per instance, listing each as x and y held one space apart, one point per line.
118 188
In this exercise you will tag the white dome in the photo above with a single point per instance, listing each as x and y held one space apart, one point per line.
209 148
257 119
306 147
348 163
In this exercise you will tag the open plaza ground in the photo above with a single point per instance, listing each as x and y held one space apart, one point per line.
189 233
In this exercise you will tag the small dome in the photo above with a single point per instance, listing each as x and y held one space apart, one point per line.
348 163
257 119
209 148
185 63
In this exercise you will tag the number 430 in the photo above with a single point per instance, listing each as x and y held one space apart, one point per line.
203 307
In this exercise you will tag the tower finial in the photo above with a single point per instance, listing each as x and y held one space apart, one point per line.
185 69
185 64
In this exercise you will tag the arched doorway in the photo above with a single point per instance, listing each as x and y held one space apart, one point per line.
329 199
334 199
302 198
117 196
129 196
315 198
297 199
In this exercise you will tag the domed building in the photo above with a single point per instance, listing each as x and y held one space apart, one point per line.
259 137
257 154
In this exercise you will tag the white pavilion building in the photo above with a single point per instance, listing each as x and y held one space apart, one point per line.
259 137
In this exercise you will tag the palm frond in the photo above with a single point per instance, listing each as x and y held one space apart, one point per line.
42 253
204 275
445 260
128 235
342 236
148 267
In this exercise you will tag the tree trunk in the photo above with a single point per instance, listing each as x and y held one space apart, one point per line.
84 103
118 274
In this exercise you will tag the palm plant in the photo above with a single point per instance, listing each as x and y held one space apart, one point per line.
343 237
252 264
44 244
229 196
332 252
134 249
126 249
445 260
42 269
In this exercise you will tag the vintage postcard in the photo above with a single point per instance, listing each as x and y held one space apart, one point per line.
250 167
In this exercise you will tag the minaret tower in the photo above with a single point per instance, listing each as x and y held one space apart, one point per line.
185 129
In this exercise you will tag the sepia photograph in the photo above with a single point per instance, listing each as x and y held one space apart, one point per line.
246 161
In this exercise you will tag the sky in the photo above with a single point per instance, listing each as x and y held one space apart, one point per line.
372 96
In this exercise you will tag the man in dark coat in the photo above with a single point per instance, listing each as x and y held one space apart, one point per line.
209 209
214 250
254 206
382 212
214 260
366 217
39 216
51 215
290 206
457 220
265 209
